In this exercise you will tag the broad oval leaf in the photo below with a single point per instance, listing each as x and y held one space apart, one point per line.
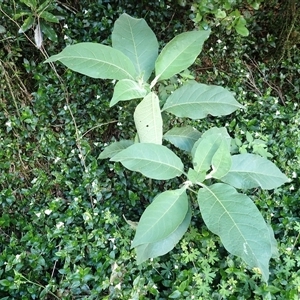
115 148
207 146
127 89
179 53
96 60
152 160
237 221
162 217
251 171
137 41
183 137
148 120
196 100
152 250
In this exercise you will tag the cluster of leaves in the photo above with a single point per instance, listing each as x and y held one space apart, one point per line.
228 13
61 228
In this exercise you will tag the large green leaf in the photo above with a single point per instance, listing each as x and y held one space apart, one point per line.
148 120
237 221
206 147
162 217
195 100
159 248
114 148
183 137
152 160
127 89
251 171
96 60
137 41
179 53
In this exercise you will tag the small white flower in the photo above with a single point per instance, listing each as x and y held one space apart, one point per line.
8 123
60 225
65 37
219 41
294 175
292 188
224 48
211 49
56 160
66 26
119 124
98 96
175 266
34 180
38 214
48 211
277 113
242 132
65 107
85 11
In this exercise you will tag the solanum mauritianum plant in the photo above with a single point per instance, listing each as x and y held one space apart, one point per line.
216 176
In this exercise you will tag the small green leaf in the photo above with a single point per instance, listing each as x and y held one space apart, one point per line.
195 177
249 137
221 161
195 100
115 148
47 16
30 3
148 120
206 147
152 160
240 27
180 53
2 29
48 31
29 21
251 171
183 137
237 221
136 40
96 61
43 6
162 217
127 89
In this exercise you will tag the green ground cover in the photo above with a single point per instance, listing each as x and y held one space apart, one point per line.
62 230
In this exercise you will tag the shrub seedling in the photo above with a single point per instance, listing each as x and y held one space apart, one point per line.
215 176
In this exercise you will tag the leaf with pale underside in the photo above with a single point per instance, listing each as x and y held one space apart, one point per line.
183 137
162 217
152 250
152 160
127 89
207 146
196 100
221 161
237 221
179 53
251 171
148 120
96 60
115 148
136 40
